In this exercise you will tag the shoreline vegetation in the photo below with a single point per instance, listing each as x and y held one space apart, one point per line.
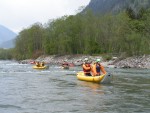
124 37
86 34
141 62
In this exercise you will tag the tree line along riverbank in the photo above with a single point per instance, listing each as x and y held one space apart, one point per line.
87 34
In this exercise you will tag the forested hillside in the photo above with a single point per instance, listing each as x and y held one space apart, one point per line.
116 6
125 32
87 34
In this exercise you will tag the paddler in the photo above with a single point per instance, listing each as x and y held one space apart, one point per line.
86 67
97 68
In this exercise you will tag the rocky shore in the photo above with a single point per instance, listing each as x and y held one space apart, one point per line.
134 62
77 60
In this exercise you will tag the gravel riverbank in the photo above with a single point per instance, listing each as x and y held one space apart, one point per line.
77 60
134 62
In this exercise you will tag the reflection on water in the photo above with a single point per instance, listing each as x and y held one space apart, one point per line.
25 90
91 85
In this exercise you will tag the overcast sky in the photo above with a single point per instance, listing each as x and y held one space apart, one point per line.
19 14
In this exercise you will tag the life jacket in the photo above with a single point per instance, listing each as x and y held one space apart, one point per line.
87 70
65 63
42 64
98 68
37 64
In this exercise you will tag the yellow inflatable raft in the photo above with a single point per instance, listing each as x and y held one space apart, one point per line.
40 67
105 78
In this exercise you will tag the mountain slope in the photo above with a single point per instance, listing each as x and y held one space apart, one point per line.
115 6
8 44
6 35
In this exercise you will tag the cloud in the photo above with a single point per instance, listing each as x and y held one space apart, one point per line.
19 14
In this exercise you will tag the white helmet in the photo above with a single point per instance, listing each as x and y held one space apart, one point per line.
86 59
98 60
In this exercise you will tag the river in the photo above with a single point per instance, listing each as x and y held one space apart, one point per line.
26 90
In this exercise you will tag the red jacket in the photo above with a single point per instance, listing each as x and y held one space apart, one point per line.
86 68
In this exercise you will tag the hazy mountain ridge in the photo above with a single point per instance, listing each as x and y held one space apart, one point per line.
115 6
6 37
8 44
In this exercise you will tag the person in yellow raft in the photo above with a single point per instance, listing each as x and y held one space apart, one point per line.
37 64
86 67
42 64
97 68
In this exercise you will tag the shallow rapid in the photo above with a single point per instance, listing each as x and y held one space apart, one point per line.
26 90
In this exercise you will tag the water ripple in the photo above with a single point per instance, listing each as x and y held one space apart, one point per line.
25 90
